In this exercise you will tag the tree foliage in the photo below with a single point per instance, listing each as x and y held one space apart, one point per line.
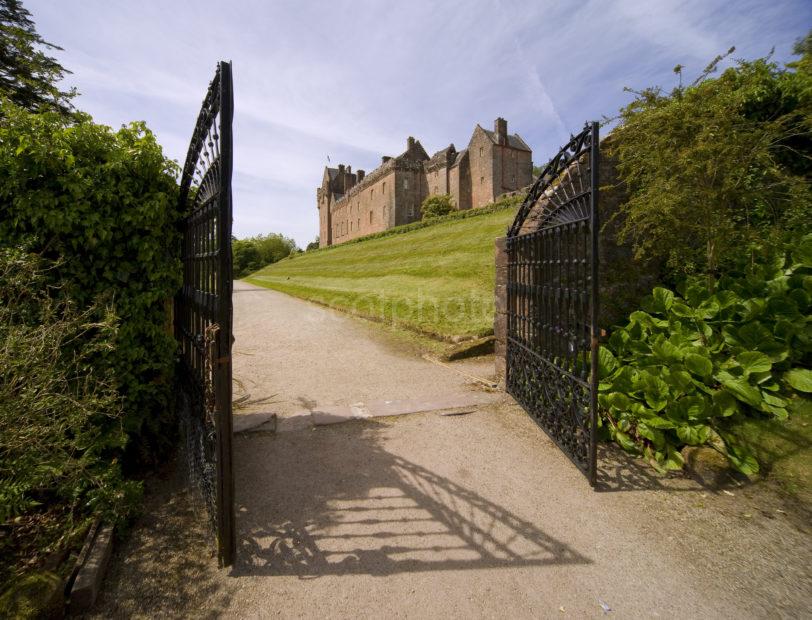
719 167
437 206
103 205
254 253
28 75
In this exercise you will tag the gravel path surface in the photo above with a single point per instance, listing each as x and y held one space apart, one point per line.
426 515
291 355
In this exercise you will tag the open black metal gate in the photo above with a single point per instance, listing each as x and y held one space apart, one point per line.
552 300
203 312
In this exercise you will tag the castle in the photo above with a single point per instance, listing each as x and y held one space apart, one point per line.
354 204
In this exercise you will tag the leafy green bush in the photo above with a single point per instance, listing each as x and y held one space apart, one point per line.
61 417
717 167
437 206
688 365
102 205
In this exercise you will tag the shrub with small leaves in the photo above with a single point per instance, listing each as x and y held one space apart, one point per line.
689 364
102 205
437 206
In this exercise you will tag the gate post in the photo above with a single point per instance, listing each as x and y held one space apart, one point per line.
500 310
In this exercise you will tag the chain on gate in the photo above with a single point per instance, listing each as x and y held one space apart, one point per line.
203 308
552 300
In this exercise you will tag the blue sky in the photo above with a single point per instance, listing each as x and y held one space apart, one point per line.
353 79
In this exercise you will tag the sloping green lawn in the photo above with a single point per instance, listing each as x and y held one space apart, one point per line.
437 280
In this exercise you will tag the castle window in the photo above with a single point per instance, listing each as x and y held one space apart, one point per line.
372 193
350 226
383 189
405 183
370 217
481 151
359 224
481 180
514 179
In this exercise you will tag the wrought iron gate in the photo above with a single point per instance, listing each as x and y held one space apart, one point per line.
203 314
552 300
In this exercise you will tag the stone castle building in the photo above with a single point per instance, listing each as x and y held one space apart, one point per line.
354 204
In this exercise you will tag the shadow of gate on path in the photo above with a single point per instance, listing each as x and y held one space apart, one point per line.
333 502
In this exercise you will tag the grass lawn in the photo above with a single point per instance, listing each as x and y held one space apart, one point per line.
436 280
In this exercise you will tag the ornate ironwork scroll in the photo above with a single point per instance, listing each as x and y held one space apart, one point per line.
203 312
552 300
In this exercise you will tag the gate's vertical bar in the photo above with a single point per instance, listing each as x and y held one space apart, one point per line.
594 161
227 539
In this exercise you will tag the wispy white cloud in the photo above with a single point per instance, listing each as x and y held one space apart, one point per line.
353 79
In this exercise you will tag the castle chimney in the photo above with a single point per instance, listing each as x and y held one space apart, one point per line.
340 169
500 129
361 174
349 169
385 159
409 143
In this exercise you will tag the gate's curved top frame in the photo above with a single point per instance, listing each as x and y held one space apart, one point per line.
576 204
552 300
203 317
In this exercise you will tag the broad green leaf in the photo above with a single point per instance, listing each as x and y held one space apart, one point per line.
800 379
655 391
658 422
618 401
666 352
607 363
688 408
741 389
673 460
663 299
678 380
751 335
694 435
775 401
726 403
753 308
654 435
626 442
699 365
708 309
753 361
682 310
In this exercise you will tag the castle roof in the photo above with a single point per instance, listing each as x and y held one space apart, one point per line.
443 157
514 141
460 156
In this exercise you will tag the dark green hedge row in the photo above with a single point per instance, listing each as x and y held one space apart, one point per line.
103 205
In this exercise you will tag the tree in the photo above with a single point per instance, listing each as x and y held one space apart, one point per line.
313 245
718 168
437 206
28 75
253 253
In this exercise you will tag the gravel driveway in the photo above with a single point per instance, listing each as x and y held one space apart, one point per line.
432 515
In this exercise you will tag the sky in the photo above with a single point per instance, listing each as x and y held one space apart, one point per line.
352 80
